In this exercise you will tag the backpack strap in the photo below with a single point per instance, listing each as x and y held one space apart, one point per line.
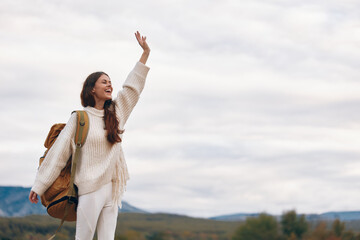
82 129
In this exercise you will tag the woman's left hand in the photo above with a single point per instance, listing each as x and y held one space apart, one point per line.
142 42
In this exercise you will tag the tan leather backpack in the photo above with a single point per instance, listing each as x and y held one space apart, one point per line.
61 198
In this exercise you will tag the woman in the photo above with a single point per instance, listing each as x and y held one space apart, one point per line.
102 173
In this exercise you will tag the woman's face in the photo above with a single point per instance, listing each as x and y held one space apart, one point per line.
103 89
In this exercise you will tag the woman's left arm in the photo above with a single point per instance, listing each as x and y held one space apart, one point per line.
133 85
142 42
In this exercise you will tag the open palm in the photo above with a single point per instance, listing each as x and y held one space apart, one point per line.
142 41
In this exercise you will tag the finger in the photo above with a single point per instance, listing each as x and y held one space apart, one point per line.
138 37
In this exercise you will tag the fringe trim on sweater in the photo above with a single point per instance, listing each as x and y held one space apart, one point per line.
122 176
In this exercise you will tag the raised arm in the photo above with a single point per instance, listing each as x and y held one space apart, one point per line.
133 85
142 42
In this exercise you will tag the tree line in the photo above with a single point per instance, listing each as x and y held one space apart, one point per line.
292 227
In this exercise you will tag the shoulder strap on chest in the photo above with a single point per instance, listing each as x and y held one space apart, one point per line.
82 128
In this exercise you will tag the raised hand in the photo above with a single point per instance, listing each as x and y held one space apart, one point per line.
142 42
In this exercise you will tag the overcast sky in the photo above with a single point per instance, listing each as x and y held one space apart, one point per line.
249 105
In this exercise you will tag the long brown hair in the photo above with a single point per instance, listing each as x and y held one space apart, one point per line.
110 119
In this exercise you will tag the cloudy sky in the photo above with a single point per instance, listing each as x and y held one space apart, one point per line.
249 106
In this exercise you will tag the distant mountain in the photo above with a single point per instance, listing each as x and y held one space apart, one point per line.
14 202
235 217
328 216
127 208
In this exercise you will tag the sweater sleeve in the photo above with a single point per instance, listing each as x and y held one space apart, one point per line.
129 95
56 158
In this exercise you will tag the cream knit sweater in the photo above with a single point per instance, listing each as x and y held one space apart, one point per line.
99 162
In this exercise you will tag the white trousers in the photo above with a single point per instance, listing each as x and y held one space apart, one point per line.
97 210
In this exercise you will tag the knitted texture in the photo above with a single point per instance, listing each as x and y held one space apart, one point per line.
100 162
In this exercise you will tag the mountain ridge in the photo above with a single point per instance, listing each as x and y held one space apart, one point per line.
327 216
14 202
